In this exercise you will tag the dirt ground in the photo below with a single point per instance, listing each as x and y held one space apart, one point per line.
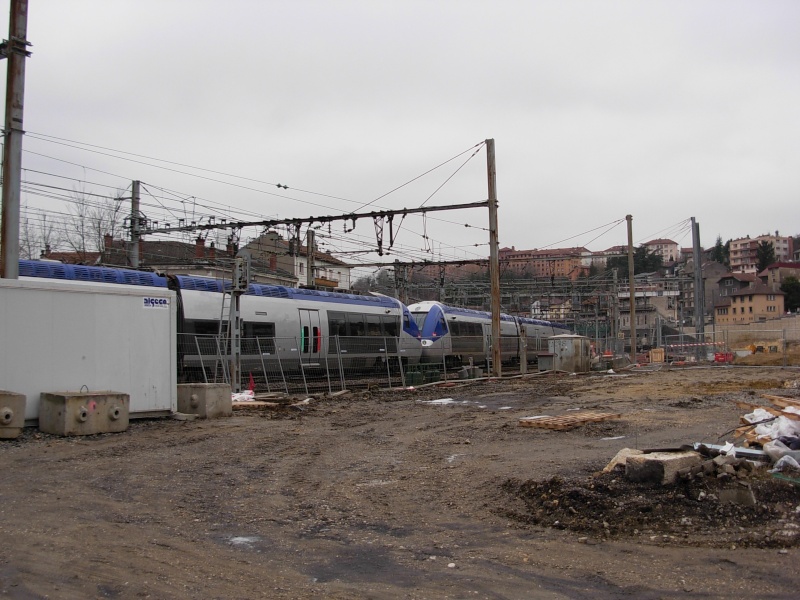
381 495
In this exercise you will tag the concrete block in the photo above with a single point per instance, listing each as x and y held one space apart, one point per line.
620 459
659 467
738 495
12 415
206 400
83 413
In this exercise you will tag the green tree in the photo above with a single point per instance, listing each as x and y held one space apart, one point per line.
721 252
644 261
791 287
765 254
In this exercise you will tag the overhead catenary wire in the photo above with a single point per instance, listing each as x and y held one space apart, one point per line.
231 217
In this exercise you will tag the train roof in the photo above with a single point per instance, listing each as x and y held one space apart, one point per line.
469 312
56 270
426 305
206 284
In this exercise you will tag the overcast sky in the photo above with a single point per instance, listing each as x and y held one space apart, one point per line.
661 110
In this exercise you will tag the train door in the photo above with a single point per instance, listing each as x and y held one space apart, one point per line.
310 338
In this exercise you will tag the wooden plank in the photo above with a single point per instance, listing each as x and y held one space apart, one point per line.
782 401
564 422
256 404
749 434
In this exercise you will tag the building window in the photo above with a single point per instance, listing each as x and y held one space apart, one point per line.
770 296
750 309
301 268
771 309
734 311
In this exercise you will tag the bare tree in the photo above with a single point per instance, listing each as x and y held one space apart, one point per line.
37 236
91 218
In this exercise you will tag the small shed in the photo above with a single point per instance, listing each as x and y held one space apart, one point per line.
569 352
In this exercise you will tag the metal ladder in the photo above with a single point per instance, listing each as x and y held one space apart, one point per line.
221 367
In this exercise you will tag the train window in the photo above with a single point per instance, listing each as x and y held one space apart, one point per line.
317 339
374 325
337 324
475 329
253 330
304 339
202 327
356 326
419 319
455 328
391 326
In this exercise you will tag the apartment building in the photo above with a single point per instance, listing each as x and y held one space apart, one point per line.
774 275
668 250
750 304
744 251
569 263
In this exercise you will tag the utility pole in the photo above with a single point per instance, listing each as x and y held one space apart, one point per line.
399 280
632 287
615 310
241 279
133 249
494 259
310 253
699 295
15 50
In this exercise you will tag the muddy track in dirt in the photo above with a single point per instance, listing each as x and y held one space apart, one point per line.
379 495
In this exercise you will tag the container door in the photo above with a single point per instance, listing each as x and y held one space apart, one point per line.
310 336
487 340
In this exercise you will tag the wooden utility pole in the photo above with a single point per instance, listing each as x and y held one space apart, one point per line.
15 50
133 250
631 287
494 259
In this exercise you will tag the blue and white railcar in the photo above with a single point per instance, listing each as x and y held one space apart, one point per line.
457 335
309 325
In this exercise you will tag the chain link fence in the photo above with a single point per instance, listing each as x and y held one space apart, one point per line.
294 365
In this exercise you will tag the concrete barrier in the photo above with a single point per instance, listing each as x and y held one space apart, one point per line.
12 415
83 413
206 400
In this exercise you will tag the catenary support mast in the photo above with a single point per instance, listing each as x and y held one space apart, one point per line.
494 258
15 50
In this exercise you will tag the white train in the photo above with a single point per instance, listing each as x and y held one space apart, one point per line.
454 336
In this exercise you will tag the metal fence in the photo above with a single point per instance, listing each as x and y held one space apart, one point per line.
727 345
695 347
294 365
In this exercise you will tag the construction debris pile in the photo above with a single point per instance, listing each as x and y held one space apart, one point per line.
747 495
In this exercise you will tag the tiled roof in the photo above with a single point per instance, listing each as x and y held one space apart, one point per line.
758 290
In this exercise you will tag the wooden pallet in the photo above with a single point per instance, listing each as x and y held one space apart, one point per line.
564 422
773 411
782 401
747 432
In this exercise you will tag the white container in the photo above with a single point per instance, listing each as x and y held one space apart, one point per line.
67 335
